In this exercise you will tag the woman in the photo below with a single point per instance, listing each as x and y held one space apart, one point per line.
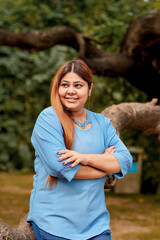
74 150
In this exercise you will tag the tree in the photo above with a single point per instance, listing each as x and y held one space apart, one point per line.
138 59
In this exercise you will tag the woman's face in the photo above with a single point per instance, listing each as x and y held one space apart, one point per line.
73 92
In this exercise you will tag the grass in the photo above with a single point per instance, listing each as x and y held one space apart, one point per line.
153 235
133 217
17 179
15 190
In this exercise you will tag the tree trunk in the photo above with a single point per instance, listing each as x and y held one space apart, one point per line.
22 232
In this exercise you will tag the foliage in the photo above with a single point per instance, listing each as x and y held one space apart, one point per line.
23 95
25 77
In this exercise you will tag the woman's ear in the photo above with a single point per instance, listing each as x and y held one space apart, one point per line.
90 89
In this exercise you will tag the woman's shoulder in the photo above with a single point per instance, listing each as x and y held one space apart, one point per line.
48 115
47 122
48 111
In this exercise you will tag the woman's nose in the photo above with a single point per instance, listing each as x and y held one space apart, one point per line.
71 90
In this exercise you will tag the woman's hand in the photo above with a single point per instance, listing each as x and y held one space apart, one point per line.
77 158
73 156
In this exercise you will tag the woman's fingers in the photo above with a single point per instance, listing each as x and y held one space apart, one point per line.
70 157
63 151
75 163
65 156
69 160
110 149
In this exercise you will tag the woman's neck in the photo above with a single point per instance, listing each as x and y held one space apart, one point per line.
80 116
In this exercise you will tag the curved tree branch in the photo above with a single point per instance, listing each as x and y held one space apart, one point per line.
138 59
40 40
101 62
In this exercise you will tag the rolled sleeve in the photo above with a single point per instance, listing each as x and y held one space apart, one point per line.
125 163
121 153
47 139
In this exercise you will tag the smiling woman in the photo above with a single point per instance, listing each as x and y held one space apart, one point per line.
73 144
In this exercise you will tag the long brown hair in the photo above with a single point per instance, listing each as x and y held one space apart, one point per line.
80 68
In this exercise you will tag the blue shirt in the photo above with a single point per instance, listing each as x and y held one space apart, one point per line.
73 209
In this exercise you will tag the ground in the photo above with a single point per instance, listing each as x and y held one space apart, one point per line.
133 217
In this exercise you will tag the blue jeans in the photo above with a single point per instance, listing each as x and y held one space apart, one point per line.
42 235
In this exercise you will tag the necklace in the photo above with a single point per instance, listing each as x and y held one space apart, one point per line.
83 124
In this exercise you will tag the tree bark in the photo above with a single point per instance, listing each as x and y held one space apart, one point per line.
138 59
142 116
136 116
22 232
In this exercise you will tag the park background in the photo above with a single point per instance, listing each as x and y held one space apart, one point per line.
25 91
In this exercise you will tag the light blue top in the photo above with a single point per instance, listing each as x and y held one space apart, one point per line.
73 209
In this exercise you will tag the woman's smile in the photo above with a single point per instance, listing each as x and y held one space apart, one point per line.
71 99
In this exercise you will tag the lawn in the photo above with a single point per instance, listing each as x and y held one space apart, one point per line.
15 189
133 217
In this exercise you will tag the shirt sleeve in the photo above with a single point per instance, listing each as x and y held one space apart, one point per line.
47 139
122 154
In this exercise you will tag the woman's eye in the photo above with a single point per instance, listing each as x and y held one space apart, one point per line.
64 85
78 85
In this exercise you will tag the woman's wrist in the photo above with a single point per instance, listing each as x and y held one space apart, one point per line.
104 162
88 159
92 157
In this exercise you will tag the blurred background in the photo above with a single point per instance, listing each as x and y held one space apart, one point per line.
25 89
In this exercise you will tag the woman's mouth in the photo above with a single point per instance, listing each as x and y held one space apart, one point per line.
71 100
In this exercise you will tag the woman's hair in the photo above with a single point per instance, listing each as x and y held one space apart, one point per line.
81 69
